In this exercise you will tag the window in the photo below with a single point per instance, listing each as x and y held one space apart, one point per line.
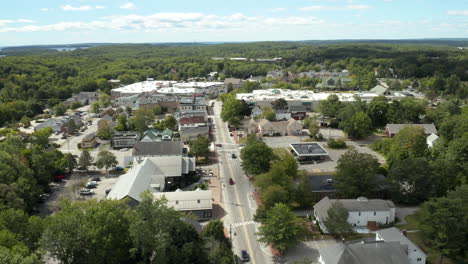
375 213
359 213
176 202
198 201
419 259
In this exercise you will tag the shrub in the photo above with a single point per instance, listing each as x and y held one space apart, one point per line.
336 144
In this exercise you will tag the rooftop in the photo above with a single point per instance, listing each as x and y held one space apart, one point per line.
308 149
188 200
145 86
159 148
394 234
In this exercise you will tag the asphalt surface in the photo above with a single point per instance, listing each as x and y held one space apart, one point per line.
238 200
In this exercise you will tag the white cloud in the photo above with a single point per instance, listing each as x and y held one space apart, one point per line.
458 13
9 21
275 10
321 7
81 8
174 22
128 5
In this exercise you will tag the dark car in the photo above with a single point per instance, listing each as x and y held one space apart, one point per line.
219 145
118 168
233 156
231 181
96 179
245 256
59 178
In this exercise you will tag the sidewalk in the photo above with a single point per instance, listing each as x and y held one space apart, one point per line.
215 187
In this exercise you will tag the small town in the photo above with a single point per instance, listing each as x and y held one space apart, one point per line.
340 151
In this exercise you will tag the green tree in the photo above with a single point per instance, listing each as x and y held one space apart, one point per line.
121 123
369 81
443 222
410 141
280 104
232 111
104 100
303 194
256 158
69 162
106 159
200 147
143 119
60 109
411 180
96 107
106 132
41 136
337 221
331 106
355 174
170 123
359 126
377 111
281 228
71 126
274 194
269 114
85 160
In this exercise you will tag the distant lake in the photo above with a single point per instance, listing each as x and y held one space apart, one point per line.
64 49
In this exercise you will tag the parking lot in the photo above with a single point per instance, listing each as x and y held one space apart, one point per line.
327 165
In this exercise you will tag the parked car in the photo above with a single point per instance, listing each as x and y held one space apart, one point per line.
57 133
231 181
59 178
86 192
233 156
91 184
43 197
118 168
219 145
96 179
245 256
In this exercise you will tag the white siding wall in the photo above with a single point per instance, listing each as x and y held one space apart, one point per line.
361 218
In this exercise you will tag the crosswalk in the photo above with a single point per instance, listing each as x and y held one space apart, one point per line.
243 223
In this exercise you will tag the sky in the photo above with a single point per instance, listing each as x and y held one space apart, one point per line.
32 22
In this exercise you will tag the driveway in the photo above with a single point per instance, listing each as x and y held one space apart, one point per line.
309 250
403 212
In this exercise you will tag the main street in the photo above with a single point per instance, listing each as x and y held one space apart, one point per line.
238 200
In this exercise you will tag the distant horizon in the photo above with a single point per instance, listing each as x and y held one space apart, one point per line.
186 21
226 42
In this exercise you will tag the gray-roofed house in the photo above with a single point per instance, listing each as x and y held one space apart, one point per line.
124 139
153 134
392 234
373 252
234 82
57 125
380 90
275 74
362 211
291 127
105 121
158 148
191 132
198 202
89 141
392 129
84 98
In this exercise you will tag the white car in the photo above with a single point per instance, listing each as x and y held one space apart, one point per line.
123 150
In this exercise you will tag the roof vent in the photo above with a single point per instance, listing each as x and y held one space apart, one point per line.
362 199
329 180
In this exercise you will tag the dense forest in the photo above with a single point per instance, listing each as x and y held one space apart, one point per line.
31 80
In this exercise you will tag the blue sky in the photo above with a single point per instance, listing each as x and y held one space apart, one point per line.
27 22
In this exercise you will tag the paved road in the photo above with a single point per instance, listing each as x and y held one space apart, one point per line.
238 199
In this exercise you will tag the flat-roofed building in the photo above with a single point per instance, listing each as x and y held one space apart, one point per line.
198 202
308 151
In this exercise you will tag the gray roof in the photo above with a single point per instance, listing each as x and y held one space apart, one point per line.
361 204
308 149
394 234
232 81
395 128
158 148
365 253
107 117
379 89
299 108
188 200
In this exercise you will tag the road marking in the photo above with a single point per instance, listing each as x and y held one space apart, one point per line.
243 223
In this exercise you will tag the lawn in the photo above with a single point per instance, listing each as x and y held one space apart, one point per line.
411 223
243 140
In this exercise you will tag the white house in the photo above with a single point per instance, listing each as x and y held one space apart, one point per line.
415 254
361 211
431 140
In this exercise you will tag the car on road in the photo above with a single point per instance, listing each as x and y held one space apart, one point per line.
233 156
96 179
219 145
231 181
86 192
245 256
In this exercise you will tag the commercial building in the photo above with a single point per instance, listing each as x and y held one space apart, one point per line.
124 139
308 151
198 202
